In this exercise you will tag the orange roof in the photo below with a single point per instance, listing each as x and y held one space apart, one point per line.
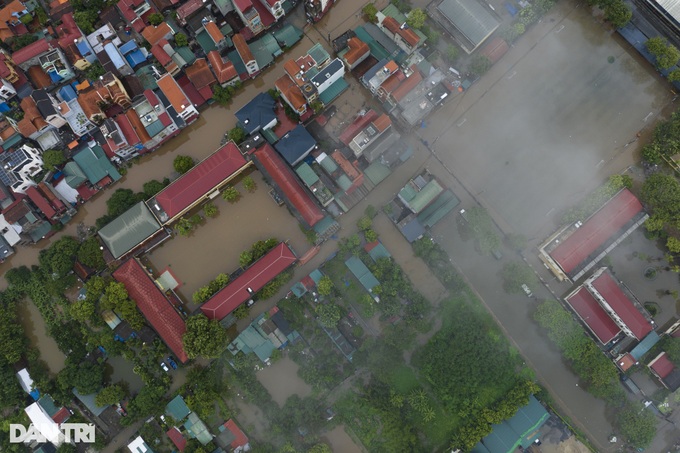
7 14
242 48
214 32
138 126
153 34
290 91
89 101
351 172
406 34
408 84
64 108
82 86
6 130
392 82
292 69
382 122
38 77
357 49
199 74
174 93
391 66
32 120
224 70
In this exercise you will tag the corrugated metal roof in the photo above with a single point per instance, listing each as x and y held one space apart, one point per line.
333 91
306 174
377 172
362 273
423 198
129 229
96 165
436 211
318 53
74 174
288 35
177 408
470 18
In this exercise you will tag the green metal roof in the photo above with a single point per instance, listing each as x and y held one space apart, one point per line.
129 229
520 429
328 164
265 50
88 401
177 408
362 273
235 59
392 11
377 172
288 36
407 193
318 53
196 428
287 6
344 182
186 54
378 51
205 41
379 251
40 231
96 165
333 91
74 175
427 194
436 211
47 403
324 225
146 77
316 275
154 128
269 135
227 30
306 174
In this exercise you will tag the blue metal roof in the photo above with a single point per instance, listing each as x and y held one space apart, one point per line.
114 55
128 47
67 93
295 145
135 58
257 113
645 345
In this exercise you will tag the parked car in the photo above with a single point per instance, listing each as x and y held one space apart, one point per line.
171 362
526 290
165 367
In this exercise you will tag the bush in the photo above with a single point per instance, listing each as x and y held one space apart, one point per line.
95 71
249 184
416 18
52 158
210 209
155 19
237 135
371 13
480 64
181 40
231 194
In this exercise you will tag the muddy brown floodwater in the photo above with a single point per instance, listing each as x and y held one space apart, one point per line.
36 331
281 389
214 247
340 441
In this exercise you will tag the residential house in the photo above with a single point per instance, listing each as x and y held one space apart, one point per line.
162 5
7 231
160 52
103 35
48 108
154 33
7 90
375 76
370 134
138 445
106 91
72 112
44 54
114 140
96 166
258 114
57 8
302 70
201 77
246 55
133 55
216 35
249 15
9 136
28 56
666 371
18 167
295 145
357 52
132 144
329 76
401 34
291 94
151 121
188 10
224 6
177 98
231 438
275 7
32 125
10 17
8 68
224 70
134 12
119 62
47 202
25 220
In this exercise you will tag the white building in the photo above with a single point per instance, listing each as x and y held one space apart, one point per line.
19 166
44 424
330 74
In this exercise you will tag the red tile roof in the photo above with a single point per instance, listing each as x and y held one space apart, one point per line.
595 317
283 176
137 125
41 202
129 133
30 51
189 8
153 304
622 305
199 74
214 31
626 362
242 48
243 5
240 439
407 85
168 85
349 169
68 31
224 70
357 125
153 34
55 202
596 231
61 416
38 77
200 180
393 81
265 16
7 13
177 438
495 49
190 90
255 277
357 49
160 54
662 365
290 91
406 34
382 122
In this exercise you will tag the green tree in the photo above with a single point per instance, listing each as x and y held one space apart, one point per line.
666 55
480 64
365 223
183 164
82 310
370 235
151 188
210 209
95 71
181 40
674 75
12 338
58 259
86 20
111 394
416 18
249 184
148 401
636 424
156 19
67 448
371 13
121 200
90 254
517 273
673 244
325 286
222 95
242 312
452 53
204 337
231 194
184 226
237 135
320 448
245 258
657 45
88 378
23 41
52 158
114 294
619 14
329 314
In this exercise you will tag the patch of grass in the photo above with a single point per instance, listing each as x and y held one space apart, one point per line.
404 379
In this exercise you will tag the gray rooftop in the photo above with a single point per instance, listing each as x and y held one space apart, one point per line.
129 229
470 18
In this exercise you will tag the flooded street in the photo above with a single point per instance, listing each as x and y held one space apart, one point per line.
281 389
35 329
119 369
215 245
340 441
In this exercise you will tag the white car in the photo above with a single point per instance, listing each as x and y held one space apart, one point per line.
526 290
165 367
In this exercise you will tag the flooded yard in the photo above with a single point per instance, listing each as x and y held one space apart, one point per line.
36 331
340 441
281 381
216 244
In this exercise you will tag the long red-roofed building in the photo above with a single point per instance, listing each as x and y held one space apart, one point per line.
153 304
591 313
192 187
284 178
249 282
576 249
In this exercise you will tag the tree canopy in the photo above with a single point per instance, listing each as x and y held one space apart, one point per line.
91 254
204 337
517 273
53 158
121 200
325 286
636 424
329 314
181 39
58 259
416 18
183 164
110 395
666 54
